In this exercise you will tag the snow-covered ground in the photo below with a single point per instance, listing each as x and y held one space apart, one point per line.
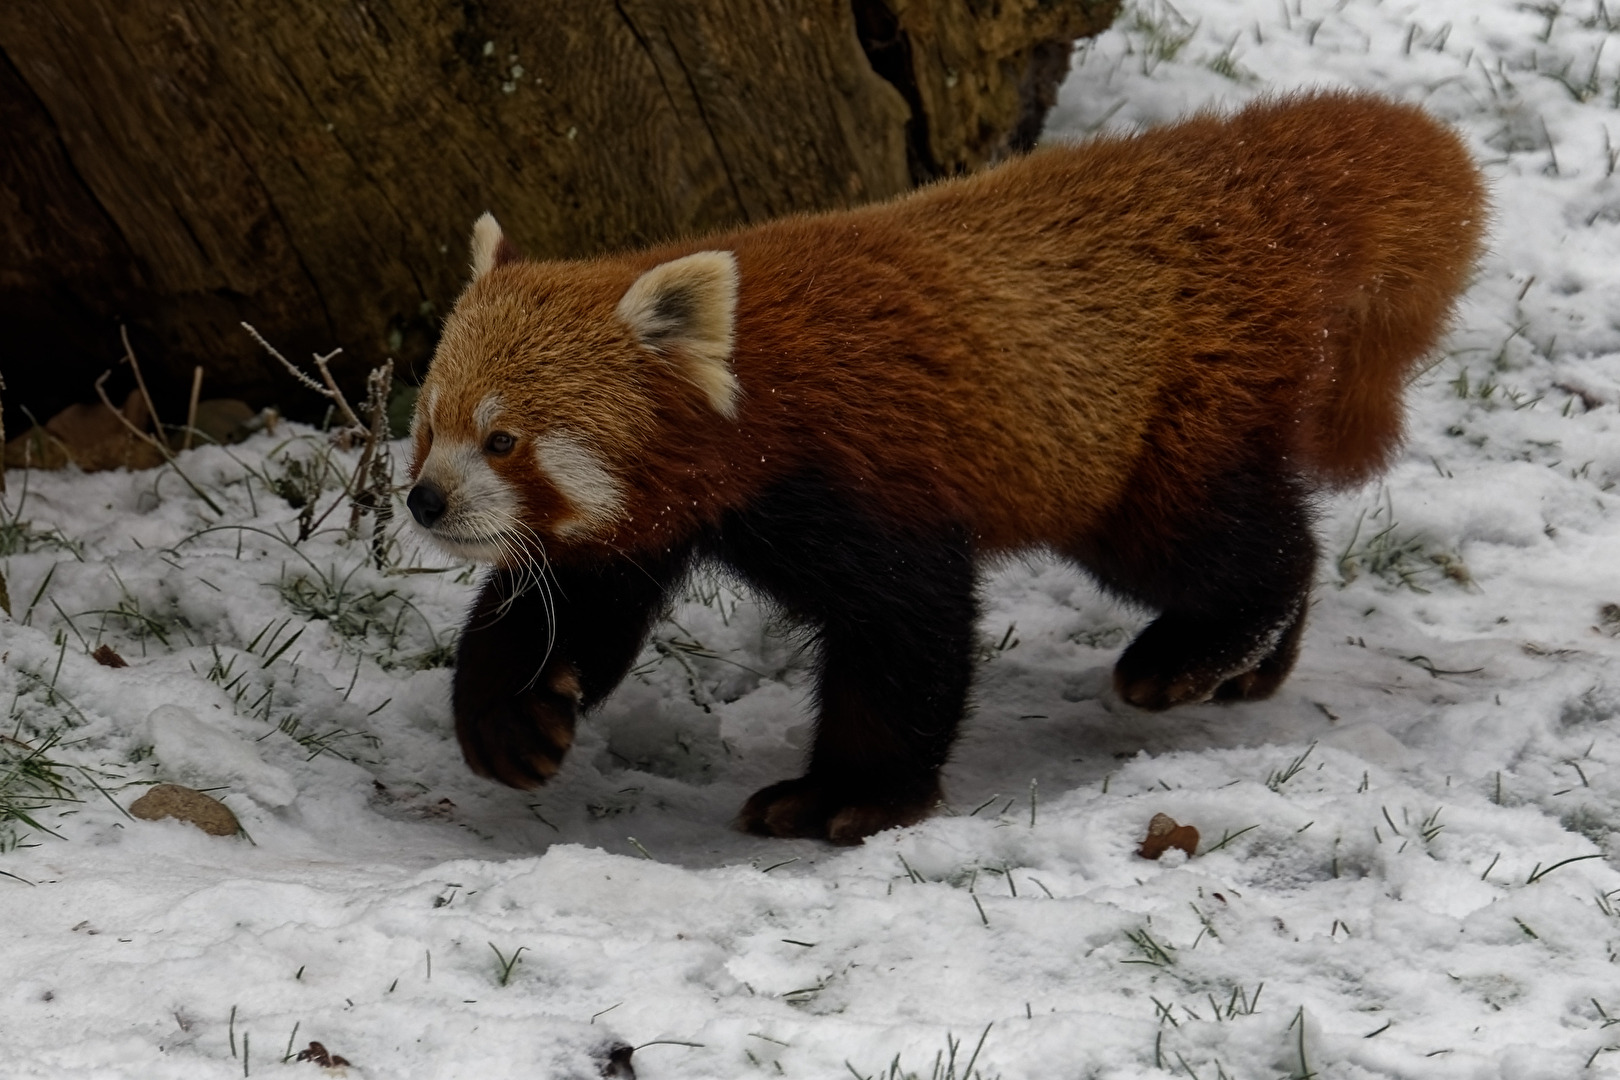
1394 897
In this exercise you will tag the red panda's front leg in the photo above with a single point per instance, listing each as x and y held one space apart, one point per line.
535 652
893 610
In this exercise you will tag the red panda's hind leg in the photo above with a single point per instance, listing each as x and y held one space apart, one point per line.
893 614
1183 658
1231 580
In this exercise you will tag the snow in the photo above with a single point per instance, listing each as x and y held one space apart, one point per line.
1392 897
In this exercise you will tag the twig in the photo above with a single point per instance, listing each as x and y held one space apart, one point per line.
297 373
158 444
140 381
2 434
336 395
329 391
191 409
366 498
368 490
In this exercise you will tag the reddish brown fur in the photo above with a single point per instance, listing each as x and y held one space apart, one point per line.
1007 348
1087 349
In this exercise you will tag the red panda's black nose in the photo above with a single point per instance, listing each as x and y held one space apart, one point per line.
426 504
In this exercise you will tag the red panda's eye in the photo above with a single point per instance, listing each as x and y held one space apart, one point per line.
499 443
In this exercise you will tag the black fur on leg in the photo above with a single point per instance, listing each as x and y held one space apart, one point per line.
892 614
528 663
1231 578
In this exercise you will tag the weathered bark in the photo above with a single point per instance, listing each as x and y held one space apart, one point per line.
978 75
313 166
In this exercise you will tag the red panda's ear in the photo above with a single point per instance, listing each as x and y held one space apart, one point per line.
687 309
490 247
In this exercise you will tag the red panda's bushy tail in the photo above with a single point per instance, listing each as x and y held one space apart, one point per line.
1417 212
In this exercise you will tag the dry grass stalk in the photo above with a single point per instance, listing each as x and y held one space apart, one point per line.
140 381
374 477
370 489
161 445
191 410
329 391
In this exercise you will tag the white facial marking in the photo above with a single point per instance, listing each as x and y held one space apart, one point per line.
579 473
424 410
481 511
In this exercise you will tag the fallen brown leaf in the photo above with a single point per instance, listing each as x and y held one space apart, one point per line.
318 1054
1163 834
106 657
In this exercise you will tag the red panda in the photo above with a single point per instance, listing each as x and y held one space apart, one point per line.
1144 353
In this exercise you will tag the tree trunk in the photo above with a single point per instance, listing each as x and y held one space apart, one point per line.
313 166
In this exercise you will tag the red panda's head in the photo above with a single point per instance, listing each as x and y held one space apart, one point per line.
546 388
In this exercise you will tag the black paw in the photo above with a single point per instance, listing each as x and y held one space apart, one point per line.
1159 671
1253 685
1180 660
1158 691
814 809
520 741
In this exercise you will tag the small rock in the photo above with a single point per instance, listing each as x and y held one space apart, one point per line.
96 439
89 436
223 421
36 448
186 804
